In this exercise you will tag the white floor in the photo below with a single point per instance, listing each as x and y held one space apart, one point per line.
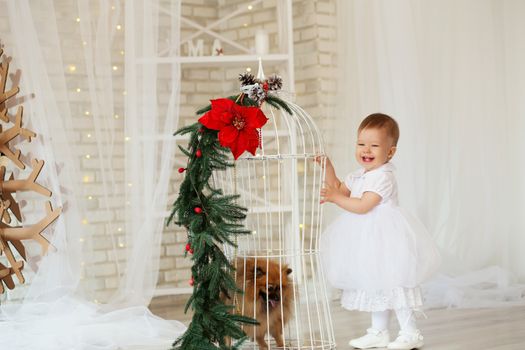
468 329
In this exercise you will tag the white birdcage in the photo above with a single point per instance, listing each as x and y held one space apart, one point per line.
278 265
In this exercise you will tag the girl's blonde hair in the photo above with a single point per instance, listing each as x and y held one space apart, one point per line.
381 121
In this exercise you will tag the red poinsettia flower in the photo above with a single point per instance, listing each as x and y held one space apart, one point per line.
237 125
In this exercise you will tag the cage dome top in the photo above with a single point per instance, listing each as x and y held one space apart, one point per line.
263 120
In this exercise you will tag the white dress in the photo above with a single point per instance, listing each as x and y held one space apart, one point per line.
380 258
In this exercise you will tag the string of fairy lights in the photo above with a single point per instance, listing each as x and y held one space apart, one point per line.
73 69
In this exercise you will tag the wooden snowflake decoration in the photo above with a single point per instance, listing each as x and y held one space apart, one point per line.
11 234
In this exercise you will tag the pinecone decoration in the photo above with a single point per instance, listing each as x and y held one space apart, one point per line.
275 82
247 79
257 93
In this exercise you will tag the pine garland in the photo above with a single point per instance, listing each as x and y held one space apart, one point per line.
217 222
212 220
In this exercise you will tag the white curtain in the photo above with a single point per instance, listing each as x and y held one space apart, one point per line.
152 115
56 309
452 74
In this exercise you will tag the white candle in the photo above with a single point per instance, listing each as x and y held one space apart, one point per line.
262 42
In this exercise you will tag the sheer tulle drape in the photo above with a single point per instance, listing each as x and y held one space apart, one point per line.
150 145
56 311
451 73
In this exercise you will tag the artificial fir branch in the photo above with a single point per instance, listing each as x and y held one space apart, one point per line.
278 103
218 220
213 219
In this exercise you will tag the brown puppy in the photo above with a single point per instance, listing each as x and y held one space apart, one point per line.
268 297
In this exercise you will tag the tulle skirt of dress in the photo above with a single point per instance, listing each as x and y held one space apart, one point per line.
379 259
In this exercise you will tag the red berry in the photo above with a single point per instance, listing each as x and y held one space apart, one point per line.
265 86
201 130
198 153
191 250
191 281
197 210
181 170
188 247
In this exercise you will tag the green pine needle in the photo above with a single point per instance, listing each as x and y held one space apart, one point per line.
278 103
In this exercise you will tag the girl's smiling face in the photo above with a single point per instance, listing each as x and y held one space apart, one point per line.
374 148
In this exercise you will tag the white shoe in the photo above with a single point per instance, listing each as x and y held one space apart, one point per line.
407 340
372 339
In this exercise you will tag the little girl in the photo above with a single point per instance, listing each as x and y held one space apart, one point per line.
376 252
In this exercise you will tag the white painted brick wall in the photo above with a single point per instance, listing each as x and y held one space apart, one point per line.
315 50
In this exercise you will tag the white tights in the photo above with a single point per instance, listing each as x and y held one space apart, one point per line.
405 317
